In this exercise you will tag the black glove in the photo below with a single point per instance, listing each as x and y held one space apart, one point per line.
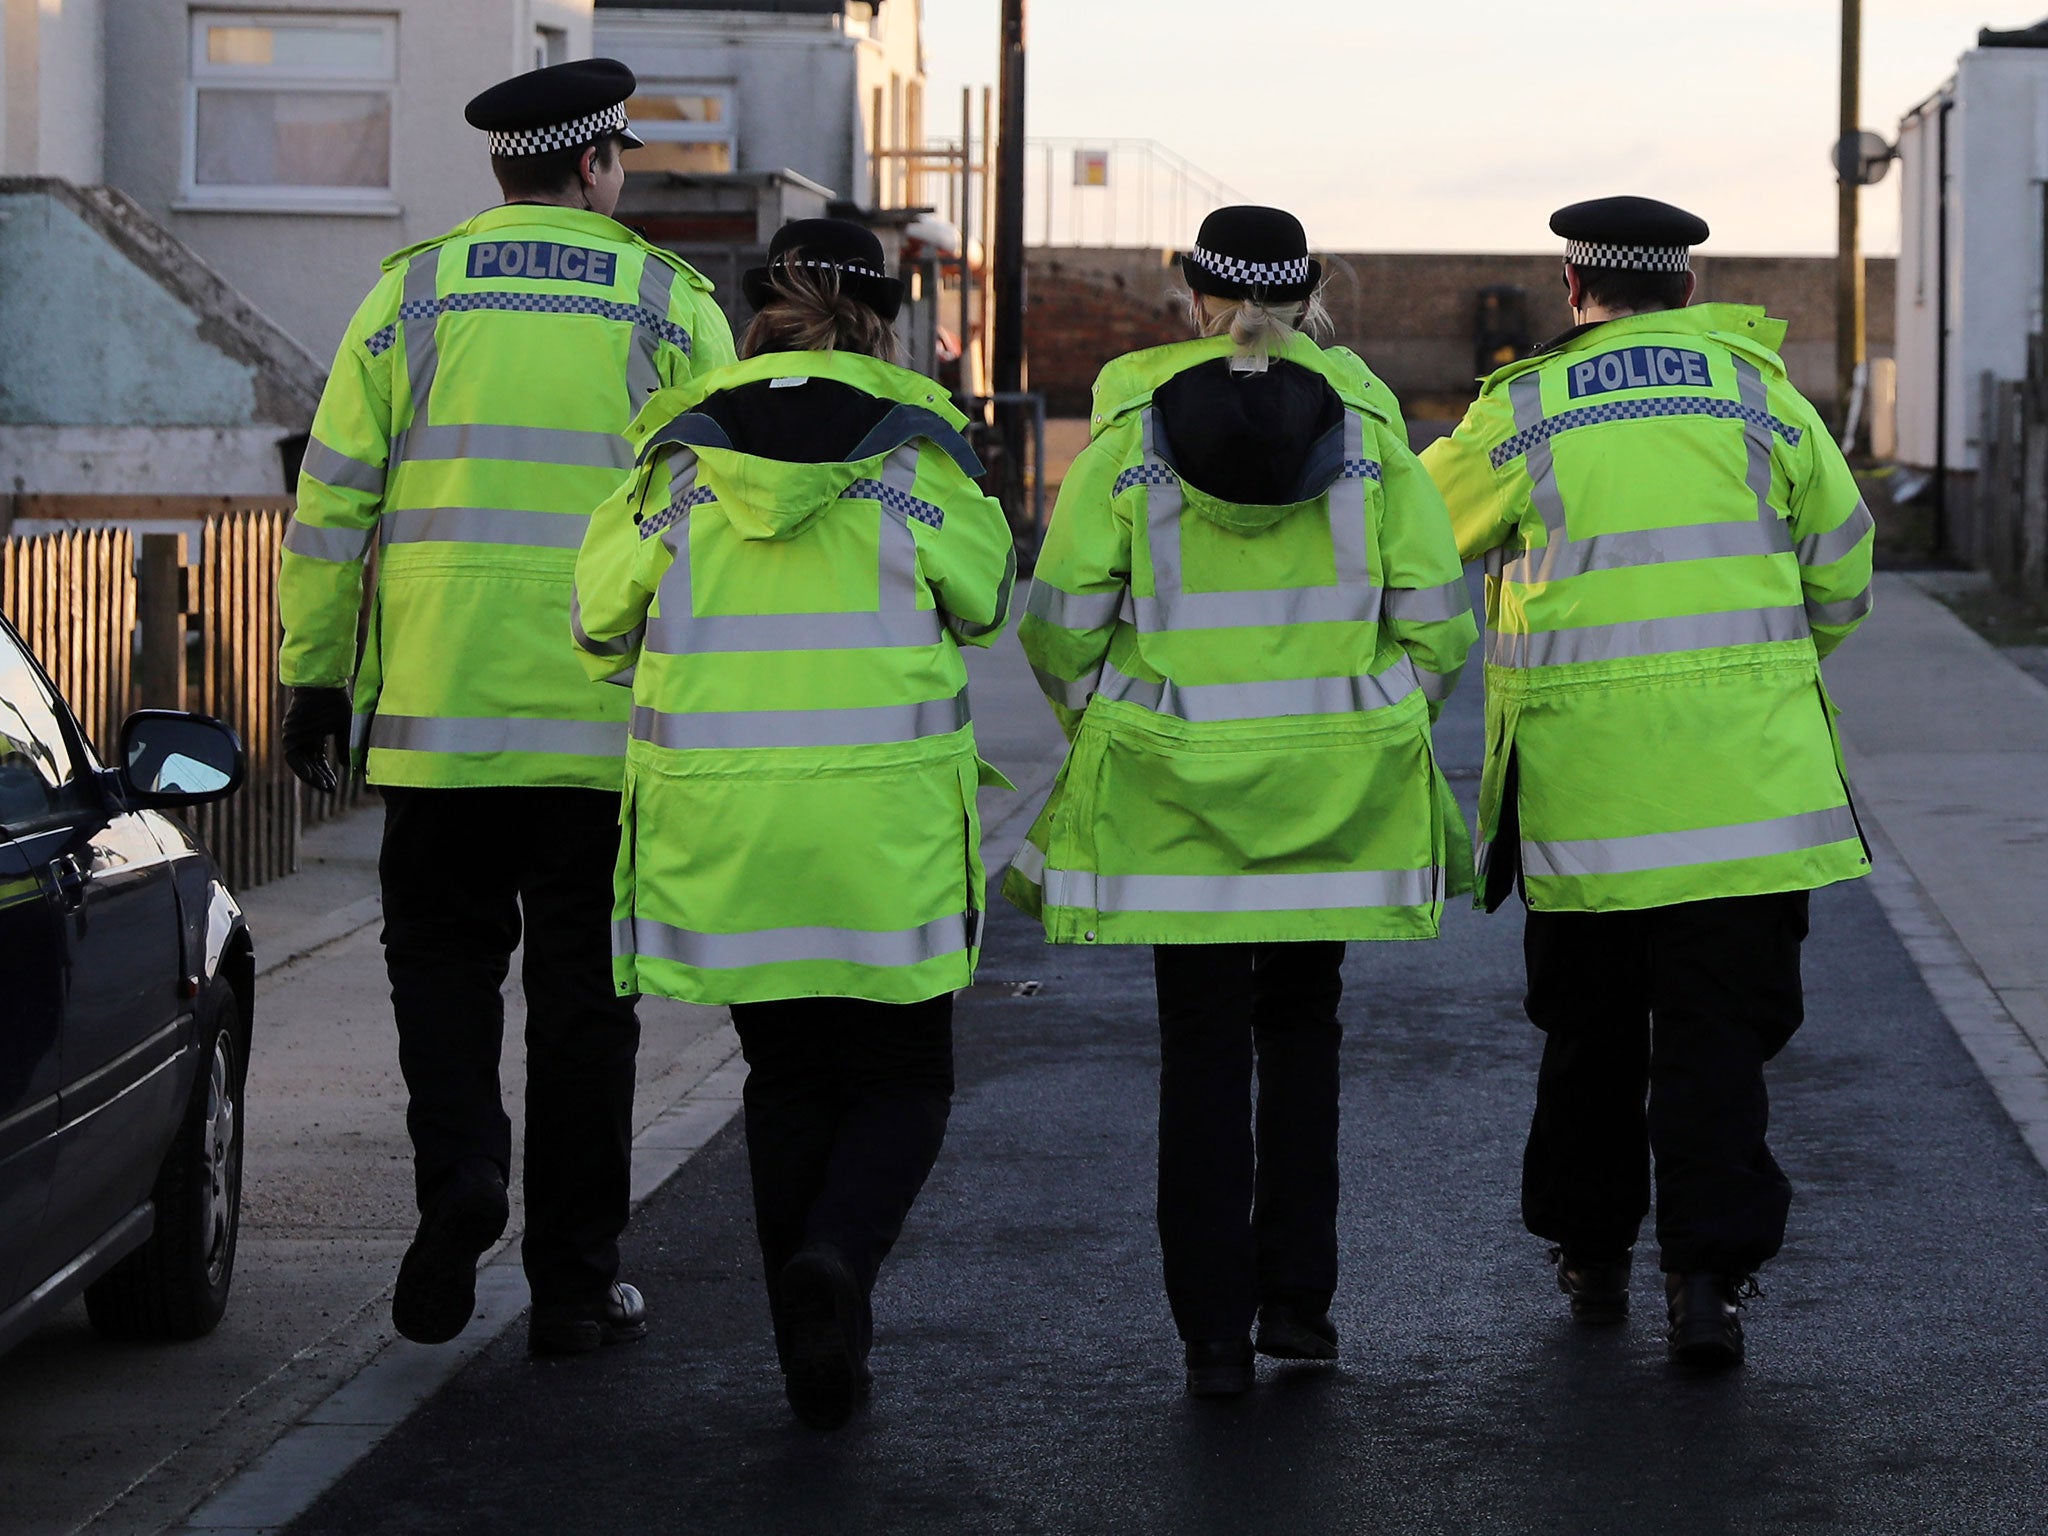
314 715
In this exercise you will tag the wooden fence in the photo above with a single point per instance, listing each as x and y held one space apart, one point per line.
122 624
2006 530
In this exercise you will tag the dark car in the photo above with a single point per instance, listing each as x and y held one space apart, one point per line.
126 977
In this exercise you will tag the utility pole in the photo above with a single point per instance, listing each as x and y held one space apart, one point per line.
1849 293
1008 253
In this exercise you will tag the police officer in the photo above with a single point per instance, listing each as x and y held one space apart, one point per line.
1247 612
790 578
1673 542
472 422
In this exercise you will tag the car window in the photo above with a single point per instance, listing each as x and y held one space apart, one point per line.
38 778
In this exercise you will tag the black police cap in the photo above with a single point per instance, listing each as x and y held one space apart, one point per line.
850 252
1636 234
564 106
1246 251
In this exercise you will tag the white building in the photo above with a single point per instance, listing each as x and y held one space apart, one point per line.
291 143
811 86
1972 258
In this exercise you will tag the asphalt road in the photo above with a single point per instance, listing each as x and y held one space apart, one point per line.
1028 1378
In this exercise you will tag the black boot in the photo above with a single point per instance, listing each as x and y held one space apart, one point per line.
1598 1287
619 1318
1291 1332
436 1290
824 1320
1706 1319
1220 1370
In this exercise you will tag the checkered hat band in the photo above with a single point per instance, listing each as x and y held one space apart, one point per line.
571 135
835 266
1257 274
1629 258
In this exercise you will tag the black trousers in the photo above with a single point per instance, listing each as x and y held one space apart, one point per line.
846 1104
1247 1214
1659 1023
459 868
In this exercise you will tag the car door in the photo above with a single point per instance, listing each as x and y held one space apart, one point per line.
124 1020
37 795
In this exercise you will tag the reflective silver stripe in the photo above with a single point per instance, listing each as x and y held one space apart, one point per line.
787 946
1702 845
643 378
485 525
1267 699
897 621
1240 893
1561 557
1759 445
359 732
1352 600
1030 863
516 445
345 545
1437 686
418 320
1428 605
623 645
428 733
967 631
1647 637
1069 692
330 466
1838 543
1847 611
747 728
1072 610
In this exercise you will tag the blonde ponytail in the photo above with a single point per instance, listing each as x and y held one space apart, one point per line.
1257 328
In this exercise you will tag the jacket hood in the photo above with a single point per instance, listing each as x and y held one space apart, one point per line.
781 437
1128 383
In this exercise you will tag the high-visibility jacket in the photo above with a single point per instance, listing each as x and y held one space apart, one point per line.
786 584
473 420
1248 685
1673 542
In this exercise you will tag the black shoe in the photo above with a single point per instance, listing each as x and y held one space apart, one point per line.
437 1277
619 1318
824 1376
1598 1287
1706 1320
1220 1370
1289 1332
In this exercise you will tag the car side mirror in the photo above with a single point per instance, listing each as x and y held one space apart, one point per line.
169 757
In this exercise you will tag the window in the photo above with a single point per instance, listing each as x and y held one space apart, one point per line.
550 46
37 776
688 127
291 112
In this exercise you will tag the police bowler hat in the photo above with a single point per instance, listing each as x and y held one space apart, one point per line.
564 106
850 252
1249 252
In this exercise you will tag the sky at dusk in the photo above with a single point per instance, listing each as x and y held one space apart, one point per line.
1460 126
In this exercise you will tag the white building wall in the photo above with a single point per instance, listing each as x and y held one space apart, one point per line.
790 76
309 269
51 89
1997 205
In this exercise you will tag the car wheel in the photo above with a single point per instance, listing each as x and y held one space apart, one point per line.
175 1286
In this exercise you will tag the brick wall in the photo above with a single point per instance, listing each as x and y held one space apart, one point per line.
1409 315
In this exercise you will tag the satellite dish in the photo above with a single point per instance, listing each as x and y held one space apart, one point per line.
1862 158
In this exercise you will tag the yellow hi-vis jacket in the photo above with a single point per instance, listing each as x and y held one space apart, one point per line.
786 584
471 424
1673 542
1248 685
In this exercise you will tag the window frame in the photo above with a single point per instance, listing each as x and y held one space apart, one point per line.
79 794
201 75
671 130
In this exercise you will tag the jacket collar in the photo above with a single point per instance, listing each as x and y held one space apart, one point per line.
1130 381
